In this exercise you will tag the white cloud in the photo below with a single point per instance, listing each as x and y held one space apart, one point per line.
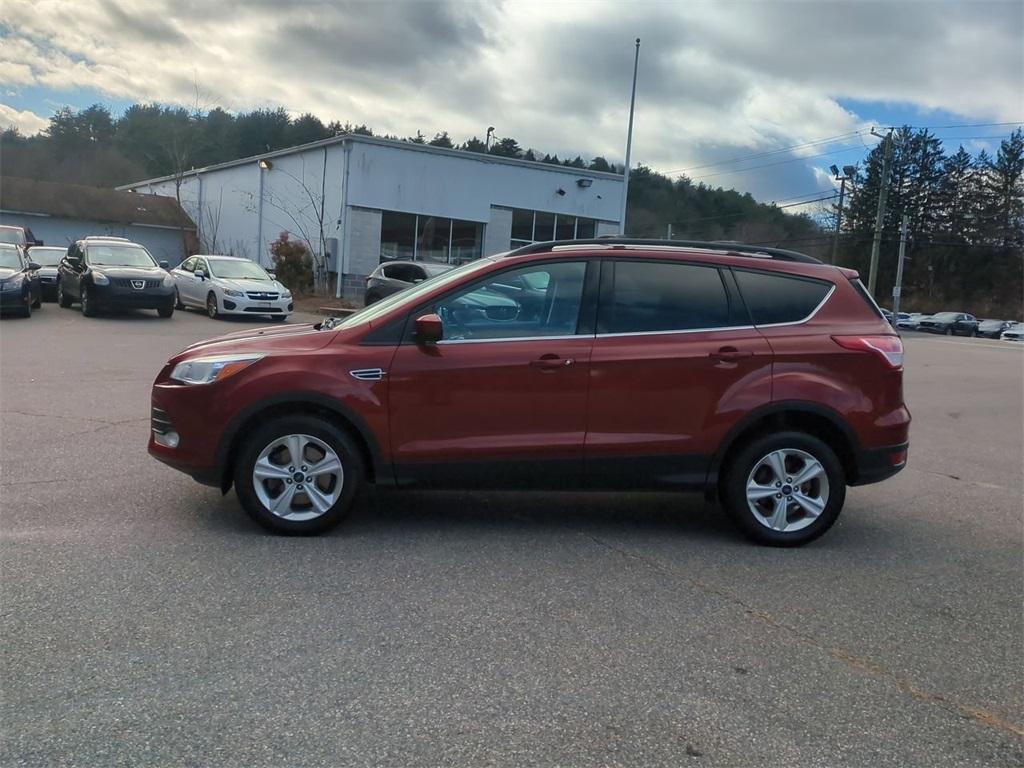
26 122
716 80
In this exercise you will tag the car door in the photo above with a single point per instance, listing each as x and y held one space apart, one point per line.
501 399
675 362
183 279
72 269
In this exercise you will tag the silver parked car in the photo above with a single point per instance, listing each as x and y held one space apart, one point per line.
394 276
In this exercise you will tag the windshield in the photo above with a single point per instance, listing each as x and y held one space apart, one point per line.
237 270
411 295
12 235
46 257
119 256
10 258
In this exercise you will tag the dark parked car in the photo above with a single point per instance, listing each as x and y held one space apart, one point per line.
114 273
394 276
993 329
19 281
48 258
18 236
950 323
761 377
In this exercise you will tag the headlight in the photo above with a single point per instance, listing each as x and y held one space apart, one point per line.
206 370
233 292
98 278
168 280
286 294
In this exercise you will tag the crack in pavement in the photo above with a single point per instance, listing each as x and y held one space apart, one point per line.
73 418
850 659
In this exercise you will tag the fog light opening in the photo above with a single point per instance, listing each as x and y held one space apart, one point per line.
168 439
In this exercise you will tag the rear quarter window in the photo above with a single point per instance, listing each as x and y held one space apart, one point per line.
776 298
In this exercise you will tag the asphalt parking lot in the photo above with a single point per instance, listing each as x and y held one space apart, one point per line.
147 621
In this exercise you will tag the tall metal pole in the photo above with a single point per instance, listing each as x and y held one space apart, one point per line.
668 235
839 220
883 193
897 290
629 142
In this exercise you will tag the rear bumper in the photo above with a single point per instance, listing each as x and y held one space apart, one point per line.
877 464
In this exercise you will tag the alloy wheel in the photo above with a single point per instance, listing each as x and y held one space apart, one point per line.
211 305
298 477
787 490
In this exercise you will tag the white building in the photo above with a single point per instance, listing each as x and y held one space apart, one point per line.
363 200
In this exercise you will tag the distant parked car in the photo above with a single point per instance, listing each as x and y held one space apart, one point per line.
1014 333
911 320
227 285
19 281
18 236
950 323
114 273
48 258
394 276
993 329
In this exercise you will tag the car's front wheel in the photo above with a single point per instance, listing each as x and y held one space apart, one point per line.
177 300
87 303
211 305
784 489
298 475
62 298
166 312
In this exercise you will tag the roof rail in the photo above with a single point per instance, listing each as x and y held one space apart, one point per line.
725 247
106 237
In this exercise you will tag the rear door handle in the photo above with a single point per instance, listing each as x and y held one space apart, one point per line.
551 362
730 354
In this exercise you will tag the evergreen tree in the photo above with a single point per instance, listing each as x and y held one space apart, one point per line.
442 139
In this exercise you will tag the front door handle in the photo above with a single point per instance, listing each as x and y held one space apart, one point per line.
551 362
730 354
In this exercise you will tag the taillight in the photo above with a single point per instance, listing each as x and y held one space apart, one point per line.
889 348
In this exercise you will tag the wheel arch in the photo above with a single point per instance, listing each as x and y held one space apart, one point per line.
812 418
295 404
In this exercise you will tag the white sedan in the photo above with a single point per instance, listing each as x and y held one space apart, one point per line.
226 285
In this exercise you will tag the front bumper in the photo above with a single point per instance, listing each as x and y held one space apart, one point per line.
129 298
243 305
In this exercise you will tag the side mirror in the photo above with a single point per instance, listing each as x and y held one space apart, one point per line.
200 274
429 329
165 265
273 275
32 266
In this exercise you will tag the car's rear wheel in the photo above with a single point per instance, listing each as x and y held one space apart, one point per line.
62 298
87 303
298 475
784 489
211 305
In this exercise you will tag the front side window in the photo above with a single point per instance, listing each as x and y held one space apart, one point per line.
119 256
776 298
664 296
539 300
188 265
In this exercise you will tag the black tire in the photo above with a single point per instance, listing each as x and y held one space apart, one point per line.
62 298
165 312
949 331
211 306
177 300
734 487
38 303
337 439
88 310
27 306
279 318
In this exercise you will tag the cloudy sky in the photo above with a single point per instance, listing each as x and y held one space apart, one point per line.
717 81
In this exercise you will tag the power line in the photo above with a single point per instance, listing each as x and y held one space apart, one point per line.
962 125
777 162
688 221
828 140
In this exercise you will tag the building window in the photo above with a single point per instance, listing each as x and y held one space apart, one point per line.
410 237
538 226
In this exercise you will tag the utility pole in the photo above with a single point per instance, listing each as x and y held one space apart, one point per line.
668 235
629 142
839 220
897 290
883 193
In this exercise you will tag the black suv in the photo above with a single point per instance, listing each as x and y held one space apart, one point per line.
114 273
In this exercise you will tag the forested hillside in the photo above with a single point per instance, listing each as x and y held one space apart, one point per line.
966 211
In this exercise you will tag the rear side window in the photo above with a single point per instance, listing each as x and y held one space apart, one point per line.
775 298
863 293
662 296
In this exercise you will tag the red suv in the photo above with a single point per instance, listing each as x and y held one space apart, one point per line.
761 377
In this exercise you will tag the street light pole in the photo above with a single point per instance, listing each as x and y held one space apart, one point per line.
629 142
883 193
839 220
897 290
